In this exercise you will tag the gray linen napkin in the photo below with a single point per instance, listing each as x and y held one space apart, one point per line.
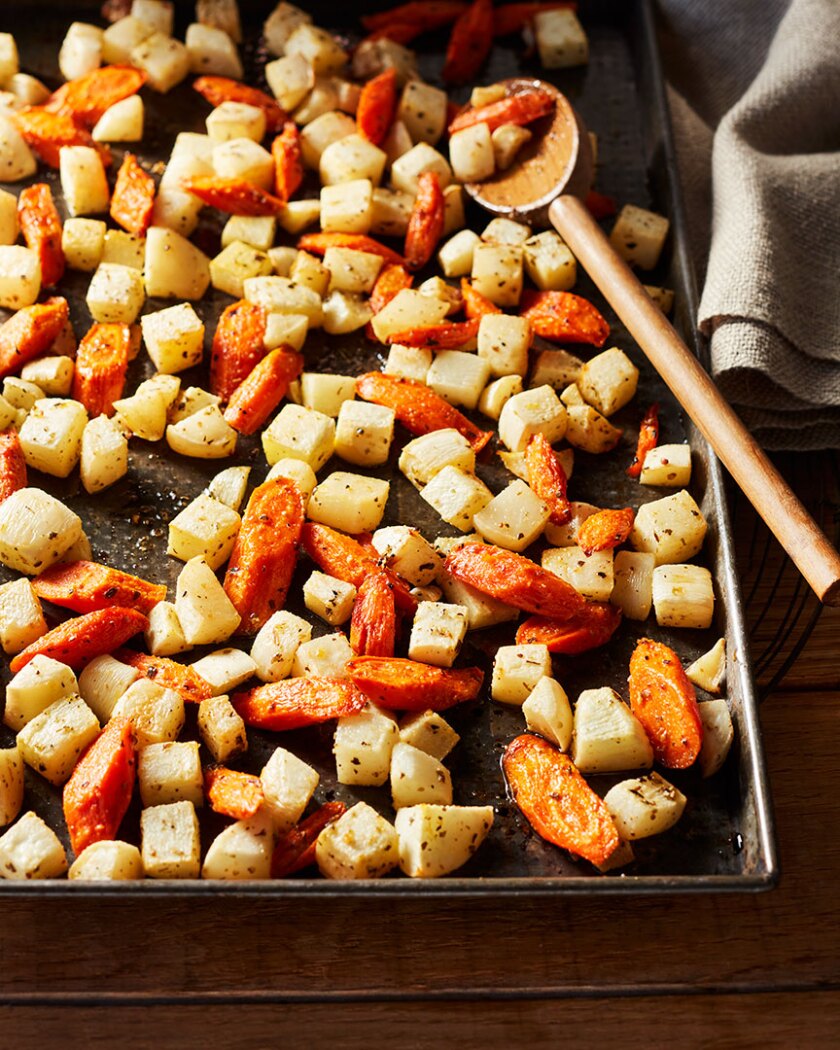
754 87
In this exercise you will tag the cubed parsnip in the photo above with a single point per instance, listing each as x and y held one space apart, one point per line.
9 414
458 377
363 745
437 633
663 297
359 845
347 207
170 841
344 313
258 231
291 78
122 122
203 435
190 401
503 342
221 729
83 180
644 806
11 784
411 362
144 413
391 212
33 689
156 713
608 737
9 59
54 375
159 14
349 270
505 231
430 732
323 657
409 308
204 527
633 584
437 840
225 669
709 670
456 496
170 772
408 553
608 381
482 610
300 433
36 529
124 249
323 98
683 596
485 95
164 636
667 466
52 741
297 471
282 295
513 519
418 777
548 712
9 226
561 41
508 140
425 456
373 56
83 242
242 851
555 368
364 433
471 154
174 268
276 644
591 575
280 24
549 262
407 169
286 330
229 486
115 294
288 785
17 161
589 431
456 255
349 502
620 857
108 860
329 598
497 272
516 671
321 133
422 109
164 60
51 435
175 209
537 411
121 37
21 616
21 394
206 613
81 50
243 158
639 236
310 272
718 734
496 395
672 528
212 51
104 681
32 850
20 274
174 338
318 47
349 158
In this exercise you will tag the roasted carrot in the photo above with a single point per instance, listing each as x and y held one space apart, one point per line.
512 18
600 205
47 133
561 315
605 530
476 305
297 702
373 626
41 229
547 478
12 464
168 674
522 108
98 792
217 90
76 642
133 199
446 336
589 629
648 439
664 701
85 586
30 332
425 224
233 793
317 243
238 347
256 397
469 43
288 162
101 365
295 848
405 685
429 14
86 98
377 106
235 196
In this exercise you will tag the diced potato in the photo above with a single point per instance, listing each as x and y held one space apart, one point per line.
20 274
9 414
165 61
170 842
671 528
663 297
426 456
175 209
17 161
329 598
364 433
349 502
436 840
286 330
513 519
458 377
561 41
411 362
144 413
323 132
83 242
156 713
345 313
32 850
348 270
347 207
174 268
437 633
391 212
508 140
456 255
300 433
36 529
430 732
221 729
503 342
505 231
212 51
280 25
21 616
159 14
115 294
9 227
363 745
409 308
204 527
107 860
482 610
497 272
276 644
104 681
203 435
11 784
639 236
351 158
471 153
683 596
591 575
407 169
608 737
620 857
242 851
537 411
83 180
709 670
225 669
169 772
288 785
589 431
644 806
124 249
243 158
122 122
516 671
174 338
456 496
51 435
418 777
297 471
318 47
310 272
359 845
282 295
190 401
482 95
549 262
325 657
229 486
21 394
54 375
608 381
206 613
52 741
555 368
323 98
164 636
548 712
408 553
718 734
257 231
496 395
633 584
291 78
121 37
422 109
34 688
667 466
373 57
81 50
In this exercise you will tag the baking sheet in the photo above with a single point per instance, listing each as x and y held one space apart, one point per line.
724 840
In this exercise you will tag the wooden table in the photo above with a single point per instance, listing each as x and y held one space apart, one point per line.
722 971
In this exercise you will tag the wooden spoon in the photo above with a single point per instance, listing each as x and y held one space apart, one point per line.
551 175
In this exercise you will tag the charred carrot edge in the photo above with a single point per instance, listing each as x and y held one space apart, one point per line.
41 228
236 196
168 674
238 346
664 701
406 685
377 106
256 397
101 366
648 439
133 199
77 641
98 793
86 586
297 702
425 224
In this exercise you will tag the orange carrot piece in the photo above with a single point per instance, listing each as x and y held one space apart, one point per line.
31 332
405 685
101 366
447 336
392 279
217 90
86 98
373 626
235 196
41 229
547 478
295 849
377 106
133 199
85 586
238 347
476 305
561 315
298 702
522 108
98 793
470 43
605 530
233 793
256 397
47 133
591 628
648 439
513 18
317 243
168 674
600 205
12 464
288 162
76 642
664 701
425 224
429 14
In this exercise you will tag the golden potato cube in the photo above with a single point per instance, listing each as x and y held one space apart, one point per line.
300 433
537 411
206 613
107 860
422 109
633 584
683 596
36 529
174 338
639 236
548 712
589 431
347 207
608 381
83 242
20 275
407 169
411 362
497 272
456 496
503 342
276 643
115 294
514 518
561 40
288 785
555 368
83 180
104 681
35 687
458 377
549 262
290 78
204 528
667 466
471 154
51 435
235 264
165 61
363 745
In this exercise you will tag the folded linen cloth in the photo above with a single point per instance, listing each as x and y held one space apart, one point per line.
754 88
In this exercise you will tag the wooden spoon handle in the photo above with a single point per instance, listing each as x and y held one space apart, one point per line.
760 481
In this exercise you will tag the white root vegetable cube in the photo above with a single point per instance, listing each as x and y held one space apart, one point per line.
36 529
456 255
203 435
456 496
170 772
555 368
323 98
349 158
229 486
718 734
276 644
324 657
83 242
592 575
322 132
683 596
411 362
349 502
409 308
422 109
122 122
9 227
121 37
328 598
437 840
21 616
430 732
644 806
164 636
244 159
514 519
309 271
345 313
297 471
212 51
497 272
672 528
496 395
156 714
115 294
709 670
608 737
347 207
54 375
165 61
258 231
170 841
508 140
31 850
471 154
175 209
482 610
397 142
633 584
505 231
103 682
11 784
667 466
503 342
174 268
589 431
174 338
9 60
407 169
107 861
124 249
286 330
349 270
290 78
52 742
280 24
17 161
560 39
20 393
549 262
426 456
205 528
608 380
225 669
20 275
318 47
548 712
458 377
282 295
391 212
359 845
639 236
538 411
300 433
663 297
288 785
516 671
326 393
206 613
408 553
363 745
35 687
81 50
418 777
159 14
221 729
373 57
242 851
437 633
51 435
83 180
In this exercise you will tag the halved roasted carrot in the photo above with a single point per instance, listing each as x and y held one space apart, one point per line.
515 580
12 464
469 43
86 98
47 133
238 346
30 332
648 439
98 793
168 674
221 89
476 305
399 32
265 552
288 162
295 848
561 315
85 586
417 407
556 801
76 642
101 365
522 108
605 530
235 196
256 397
41 229
447 336
297 702
317 243
377 106
589 629
405 685
429 14
664 701
133 199
425 224
232 792
547 478
373 627
512 18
